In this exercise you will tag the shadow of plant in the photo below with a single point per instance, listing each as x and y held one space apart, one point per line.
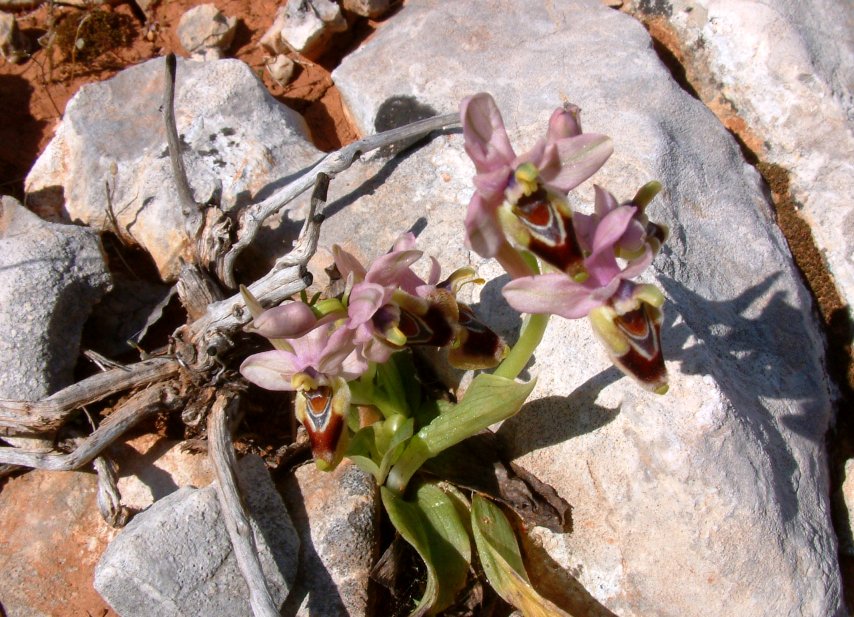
754 361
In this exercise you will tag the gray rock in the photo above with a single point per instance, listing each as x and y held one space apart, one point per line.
847 489
51 276
241 144
176 558
336 515
366 8
308 25
787 68
13 44
281 68
204 31
709 500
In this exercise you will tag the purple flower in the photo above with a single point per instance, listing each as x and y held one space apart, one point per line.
317 366
542 176
390 307
625 315
372 315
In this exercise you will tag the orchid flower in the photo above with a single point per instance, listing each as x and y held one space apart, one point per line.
625 315
525 195
391 307
316 364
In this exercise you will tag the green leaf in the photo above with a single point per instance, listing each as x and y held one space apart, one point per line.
362 450
489 399
502 562
432 523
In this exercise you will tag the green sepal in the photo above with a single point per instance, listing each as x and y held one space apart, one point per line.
502 562
432 523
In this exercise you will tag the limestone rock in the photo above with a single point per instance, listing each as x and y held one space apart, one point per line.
308 25
366 8
51 276
204 31
176 558
110 152
281 68
152 467
787 68
709 500
847 539
335 514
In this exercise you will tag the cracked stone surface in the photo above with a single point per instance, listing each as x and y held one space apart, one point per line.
787 69
714 498
241 144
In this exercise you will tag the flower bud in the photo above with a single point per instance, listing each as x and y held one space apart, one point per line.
291 320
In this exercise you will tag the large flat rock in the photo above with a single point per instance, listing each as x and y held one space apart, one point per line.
709 500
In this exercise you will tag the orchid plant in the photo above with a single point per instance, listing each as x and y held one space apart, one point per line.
356 390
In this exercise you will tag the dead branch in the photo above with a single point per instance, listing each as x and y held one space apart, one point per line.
188 204
137 407
211 335
234 513
109 498
25 417
252 217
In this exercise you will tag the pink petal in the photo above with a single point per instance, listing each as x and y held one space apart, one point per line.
365 300
605 201
347 264
584 225
388 269
486 140
611 228
339 345
535 155
404 242
552 293
636 266
565 122
483 231
580 158
602 263
492 184
272 370
289 320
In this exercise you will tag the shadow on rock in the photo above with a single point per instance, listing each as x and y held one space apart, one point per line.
554 419
755 360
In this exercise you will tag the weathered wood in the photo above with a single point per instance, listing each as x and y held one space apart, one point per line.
252 217
137 407
221 452
189 208
109 498
25 417
211 335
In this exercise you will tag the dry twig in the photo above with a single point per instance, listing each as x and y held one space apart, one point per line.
332 164
25 417
234 513
137 407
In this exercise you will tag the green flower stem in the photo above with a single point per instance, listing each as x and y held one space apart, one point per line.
519 356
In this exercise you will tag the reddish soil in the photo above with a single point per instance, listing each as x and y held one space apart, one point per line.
33 94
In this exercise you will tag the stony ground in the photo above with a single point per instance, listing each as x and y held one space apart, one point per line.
33 95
